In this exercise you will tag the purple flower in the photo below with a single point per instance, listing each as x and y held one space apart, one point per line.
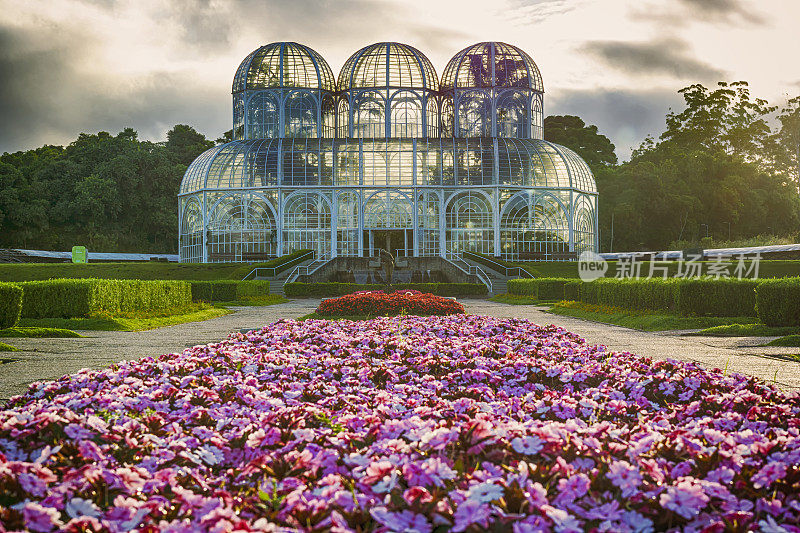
402 522
625 476
468 513
768 474
485 492
527 445
39 518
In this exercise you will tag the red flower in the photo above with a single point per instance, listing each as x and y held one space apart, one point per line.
377 303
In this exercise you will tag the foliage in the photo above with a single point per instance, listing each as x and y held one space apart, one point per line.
8 348
109 193
717 169
68 298
716 297
545 289
572 132
458 423
513 299
778 302
228 290
318 290
379 303
27 332
10 305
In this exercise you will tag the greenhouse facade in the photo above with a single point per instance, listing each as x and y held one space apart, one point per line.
387 156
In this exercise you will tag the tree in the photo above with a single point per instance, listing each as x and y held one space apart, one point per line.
572 132
186 143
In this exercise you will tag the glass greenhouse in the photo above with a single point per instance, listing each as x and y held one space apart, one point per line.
387 156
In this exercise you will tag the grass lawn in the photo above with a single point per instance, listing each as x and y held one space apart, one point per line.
38 332
7 348
641 320
514 299
129 323
746 330
788 340
143 270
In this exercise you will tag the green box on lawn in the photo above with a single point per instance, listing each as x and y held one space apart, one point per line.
80 254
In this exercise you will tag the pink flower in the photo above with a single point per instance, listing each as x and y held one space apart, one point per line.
572 488
685 498
417 494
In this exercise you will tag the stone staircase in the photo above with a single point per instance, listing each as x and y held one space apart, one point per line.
276 283
499 280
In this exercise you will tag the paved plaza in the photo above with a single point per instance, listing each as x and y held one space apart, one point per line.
42 359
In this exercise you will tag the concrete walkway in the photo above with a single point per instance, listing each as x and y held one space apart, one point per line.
44 359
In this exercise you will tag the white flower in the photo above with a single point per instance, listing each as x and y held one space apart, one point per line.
528 445
485 492
78 507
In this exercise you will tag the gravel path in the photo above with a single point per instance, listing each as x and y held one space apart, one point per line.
42 359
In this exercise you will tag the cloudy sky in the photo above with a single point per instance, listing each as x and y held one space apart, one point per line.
70 66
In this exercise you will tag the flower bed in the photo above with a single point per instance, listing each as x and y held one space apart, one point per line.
401 424
378 303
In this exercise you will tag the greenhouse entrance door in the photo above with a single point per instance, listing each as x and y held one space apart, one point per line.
399 242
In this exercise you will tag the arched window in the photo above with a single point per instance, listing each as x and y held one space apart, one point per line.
470 224
583 226
241 228
369 115
328 116
238 117
262 116
428 208
448 118
387 210
537 117
512 114
474 114
347 223
343 119
300 116
406 115
191 234
533 227
307 224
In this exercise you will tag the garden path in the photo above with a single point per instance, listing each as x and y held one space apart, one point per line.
738 354
42 359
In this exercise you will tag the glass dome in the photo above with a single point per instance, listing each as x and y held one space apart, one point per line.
388 65
492 64
284 65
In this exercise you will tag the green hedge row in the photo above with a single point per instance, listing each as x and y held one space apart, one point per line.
689 297
539 288
227 290
10 305
778 302
319 290
69 298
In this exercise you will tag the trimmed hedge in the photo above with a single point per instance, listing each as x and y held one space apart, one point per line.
319 290
572 290
227 290
778 302
10 305
717 297
540 288
69 298
523 287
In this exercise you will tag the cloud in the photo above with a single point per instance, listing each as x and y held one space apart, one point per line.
669 56
624 116
684 12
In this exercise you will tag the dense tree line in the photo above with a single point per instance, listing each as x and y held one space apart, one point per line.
719 168
110 193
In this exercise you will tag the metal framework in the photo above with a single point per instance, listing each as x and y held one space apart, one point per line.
441 168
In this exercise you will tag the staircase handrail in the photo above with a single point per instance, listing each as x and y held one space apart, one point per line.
306 270
472 270
280 268
501 268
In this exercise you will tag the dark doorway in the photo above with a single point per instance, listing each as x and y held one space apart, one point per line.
399 242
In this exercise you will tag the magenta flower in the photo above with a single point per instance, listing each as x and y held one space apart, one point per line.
468 513
768 474
625 476
402 522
